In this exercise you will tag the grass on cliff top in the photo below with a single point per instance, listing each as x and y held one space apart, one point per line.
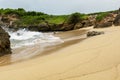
35 18
101 16
57 19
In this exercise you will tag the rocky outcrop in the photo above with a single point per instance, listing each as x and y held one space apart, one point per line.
105 22
94 33
86 23
117 20
40 27
56 27
4 42
67 27
44 25
78 25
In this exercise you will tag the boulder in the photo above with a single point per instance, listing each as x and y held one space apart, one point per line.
117 20
94 33
78 26
4 42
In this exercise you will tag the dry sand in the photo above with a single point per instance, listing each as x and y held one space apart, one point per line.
95 58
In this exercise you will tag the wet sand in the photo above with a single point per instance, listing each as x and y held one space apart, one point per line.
94 58
30 52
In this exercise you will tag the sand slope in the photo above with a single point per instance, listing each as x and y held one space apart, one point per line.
96 58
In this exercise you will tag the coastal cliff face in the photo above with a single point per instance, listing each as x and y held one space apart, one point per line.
41 22
4 42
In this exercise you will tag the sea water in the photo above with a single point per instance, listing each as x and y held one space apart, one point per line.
25 37
34 43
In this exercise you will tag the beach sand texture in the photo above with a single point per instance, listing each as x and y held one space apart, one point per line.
95 58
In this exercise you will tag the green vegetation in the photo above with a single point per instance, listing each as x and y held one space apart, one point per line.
34 18
25 18
76 17
101 15
57 19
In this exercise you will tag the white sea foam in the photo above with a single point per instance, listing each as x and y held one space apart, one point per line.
24 37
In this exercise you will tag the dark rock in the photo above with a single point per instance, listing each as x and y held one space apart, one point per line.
67 27
107 21
117 20
5 19
94 33
55 27
4 42
103 25
40 27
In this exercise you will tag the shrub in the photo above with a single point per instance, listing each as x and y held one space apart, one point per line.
101 16
76 17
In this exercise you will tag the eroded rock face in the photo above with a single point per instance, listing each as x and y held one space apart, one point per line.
4 42
67 27
117 20
103 25
106 22
40 27
78 26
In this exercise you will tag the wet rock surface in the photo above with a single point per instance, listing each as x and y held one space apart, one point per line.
4 42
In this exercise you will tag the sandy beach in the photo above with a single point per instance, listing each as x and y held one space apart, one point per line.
94 58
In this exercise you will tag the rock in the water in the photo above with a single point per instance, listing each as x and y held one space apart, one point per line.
4 42
94 33
117 20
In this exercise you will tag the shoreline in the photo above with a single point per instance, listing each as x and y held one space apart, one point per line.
94 58
69 38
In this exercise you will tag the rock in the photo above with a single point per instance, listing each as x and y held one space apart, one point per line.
94 33
117 20
103 25
4 42
86 23
40 27
78 26
107 21
55 27
67 27
5 19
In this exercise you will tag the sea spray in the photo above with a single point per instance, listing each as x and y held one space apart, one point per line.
33 43
24 37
